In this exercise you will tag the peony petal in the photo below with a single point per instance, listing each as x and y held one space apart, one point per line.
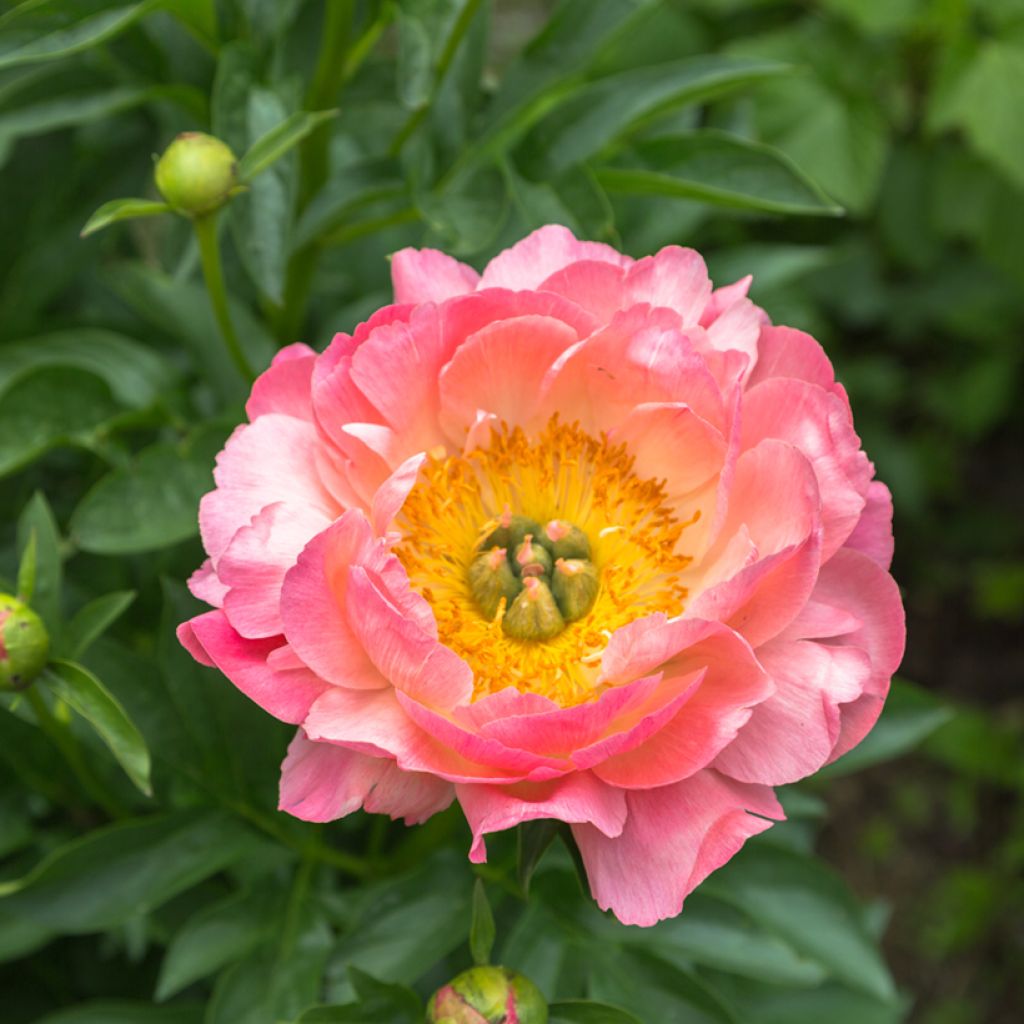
675 278
872 535
542 253
285 387
575 798
426 275
391 495
724 297
207 586
323 782
287 695
674 838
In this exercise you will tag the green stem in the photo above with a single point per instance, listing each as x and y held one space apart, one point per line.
61 737
213 274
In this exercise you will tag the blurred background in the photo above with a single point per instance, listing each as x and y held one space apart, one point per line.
863 159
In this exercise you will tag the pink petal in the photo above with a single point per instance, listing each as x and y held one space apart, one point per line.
786 352
323 782
675 278
313 601
872 535
595 285
255 563
287 695
792 733
499 370
285 387
391 495
426 275
206 585
540 254
724 297
674 838
575 798
265 462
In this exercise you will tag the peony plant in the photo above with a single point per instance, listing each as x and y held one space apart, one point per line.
579 538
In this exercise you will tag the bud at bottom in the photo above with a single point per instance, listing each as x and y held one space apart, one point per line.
24 644
488 995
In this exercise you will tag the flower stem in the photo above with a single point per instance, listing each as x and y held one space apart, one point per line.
213 274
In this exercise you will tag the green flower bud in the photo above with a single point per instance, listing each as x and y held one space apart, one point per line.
491 578
24 644
512 530
488 995
565 540
531 559
533 615
575 583
197 174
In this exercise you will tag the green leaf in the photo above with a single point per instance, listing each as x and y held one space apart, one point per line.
481 928
47 408
133 372
122 209
276 142
720 169
36 525
151 505
911 714
532 840
76 38
215 936
27 570
773 1004
115 873
124 1012
583 1011
801 901
79 688
93 620
618 104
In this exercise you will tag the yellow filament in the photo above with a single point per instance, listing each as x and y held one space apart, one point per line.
561 474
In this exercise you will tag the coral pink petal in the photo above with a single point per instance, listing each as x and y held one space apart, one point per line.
284 387
287 695
391 494
724 297
596 286
413 660
576 798
255 563
737 329
207 586
499 370
872 535
426 275
674 838
541 254
792 733
323 782
313 600
675 278
268 461
787 352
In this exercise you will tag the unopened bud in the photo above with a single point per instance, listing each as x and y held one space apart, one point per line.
575 583
512 530
532 559
566 540
197 174
488 995
533 615
24 644
491 578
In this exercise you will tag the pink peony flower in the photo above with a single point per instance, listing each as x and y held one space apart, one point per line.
578 538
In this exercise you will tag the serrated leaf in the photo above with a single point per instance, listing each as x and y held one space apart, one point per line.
276 142
92 620
122 209
720 169
481 928
83 692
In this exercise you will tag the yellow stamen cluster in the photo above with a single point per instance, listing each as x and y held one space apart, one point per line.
563 473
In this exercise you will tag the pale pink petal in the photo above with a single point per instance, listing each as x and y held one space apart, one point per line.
737 328
674 838
872 535
426 275
284 387
724 297
287 695
313 600
323 782
499 370
675 278
540 254
265 462
792 733
575 798
391 494
206 586
787 352
595 285
255 562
